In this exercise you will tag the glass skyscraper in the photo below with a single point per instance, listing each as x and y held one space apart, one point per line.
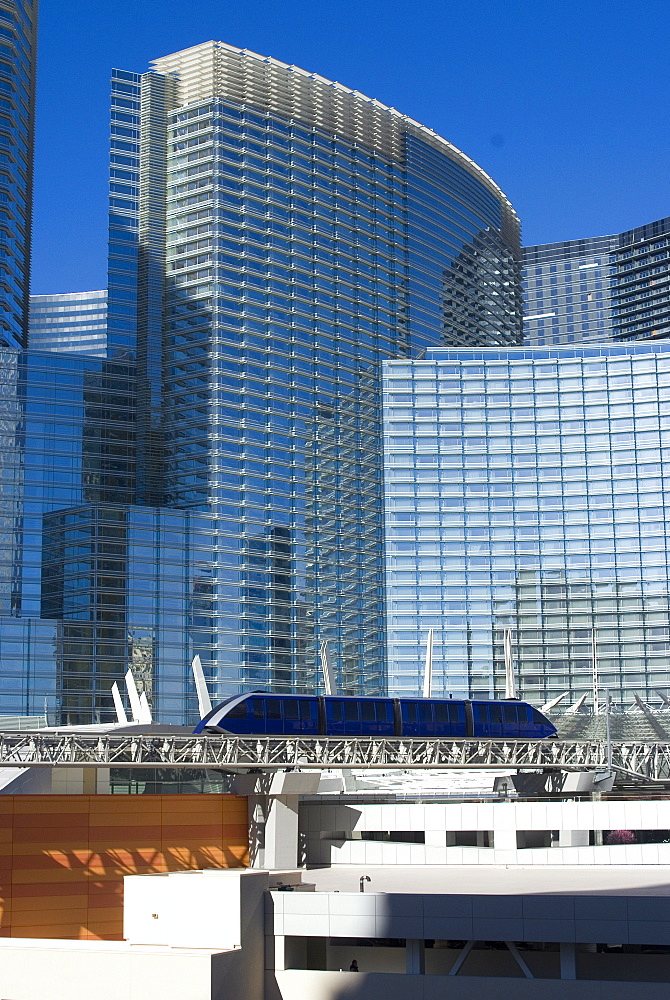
18 41
273 236
75 322
600 289
212 482
529 490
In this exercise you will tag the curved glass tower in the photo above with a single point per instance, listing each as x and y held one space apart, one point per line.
273 237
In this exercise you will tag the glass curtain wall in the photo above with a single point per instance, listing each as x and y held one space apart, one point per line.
529 490
74 322
608 288
18 41
213 483
309 233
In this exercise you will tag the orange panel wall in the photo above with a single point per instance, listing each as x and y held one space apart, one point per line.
63 857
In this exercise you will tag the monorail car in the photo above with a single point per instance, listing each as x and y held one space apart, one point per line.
258 714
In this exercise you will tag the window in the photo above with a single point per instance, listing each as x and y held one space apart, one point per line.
510 714
290 709
368 711
258 708
351 711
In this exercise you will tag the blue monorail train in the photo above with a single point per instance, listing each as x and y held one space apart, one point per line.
258 714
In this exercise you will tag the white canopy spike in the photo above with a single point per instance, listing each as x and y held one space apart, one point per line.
642 705
145 709
662 696
428 669
204 701
510 683
548 705
121 716
577 705
133 697
327 669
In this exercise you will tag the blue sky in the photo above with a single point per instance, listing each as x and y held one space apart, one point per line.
564 103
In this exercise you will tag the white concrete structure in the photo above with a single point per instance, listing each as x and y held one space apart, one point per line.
487 833
420 934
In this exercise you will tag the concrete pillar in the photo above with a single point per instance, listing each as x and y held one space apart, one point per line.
415 957
275 952
568 954
573 838
504 839
281 832
257 806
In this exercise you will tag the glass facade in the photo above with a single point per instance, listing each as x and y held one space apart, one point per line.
567 297
90 582
273 236
18 40
601 289
529 490
210 481
75 322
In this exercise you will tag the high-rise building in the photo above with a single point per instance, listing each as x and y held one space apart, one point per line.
18 41
608 288
273 237
74 322
529 489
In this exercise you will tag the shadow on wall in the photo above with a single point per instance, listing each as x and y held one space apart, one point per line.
63 858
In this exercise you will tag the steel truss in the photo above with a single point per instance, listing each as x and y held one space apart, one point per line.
647 761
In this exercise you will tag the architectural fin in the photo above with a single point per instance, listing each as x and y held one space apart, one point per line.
133 697
548 705
121 716
204 701
327 669
510 683
428 667
577 705
145 709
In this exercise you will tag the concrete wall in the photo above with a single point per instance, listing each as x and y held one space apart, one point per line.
78 970
219 910
570 917
63 857
572 820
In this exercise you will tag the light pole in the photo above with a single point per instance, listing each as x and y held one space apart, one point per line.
608 729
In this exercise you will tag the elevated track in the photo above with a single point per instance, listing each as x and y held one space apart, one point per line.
647 762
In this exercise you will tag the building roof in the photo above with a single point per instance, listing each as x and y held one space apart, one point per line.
616 880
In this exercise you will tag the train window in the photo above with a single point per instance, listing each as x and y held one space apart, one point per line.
454 713
495 714
238 712
384 711
409 711
368 711
442 714
482 714
259 708
274 708
424 712
511 714
306 707
334 710
290 708
351 711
